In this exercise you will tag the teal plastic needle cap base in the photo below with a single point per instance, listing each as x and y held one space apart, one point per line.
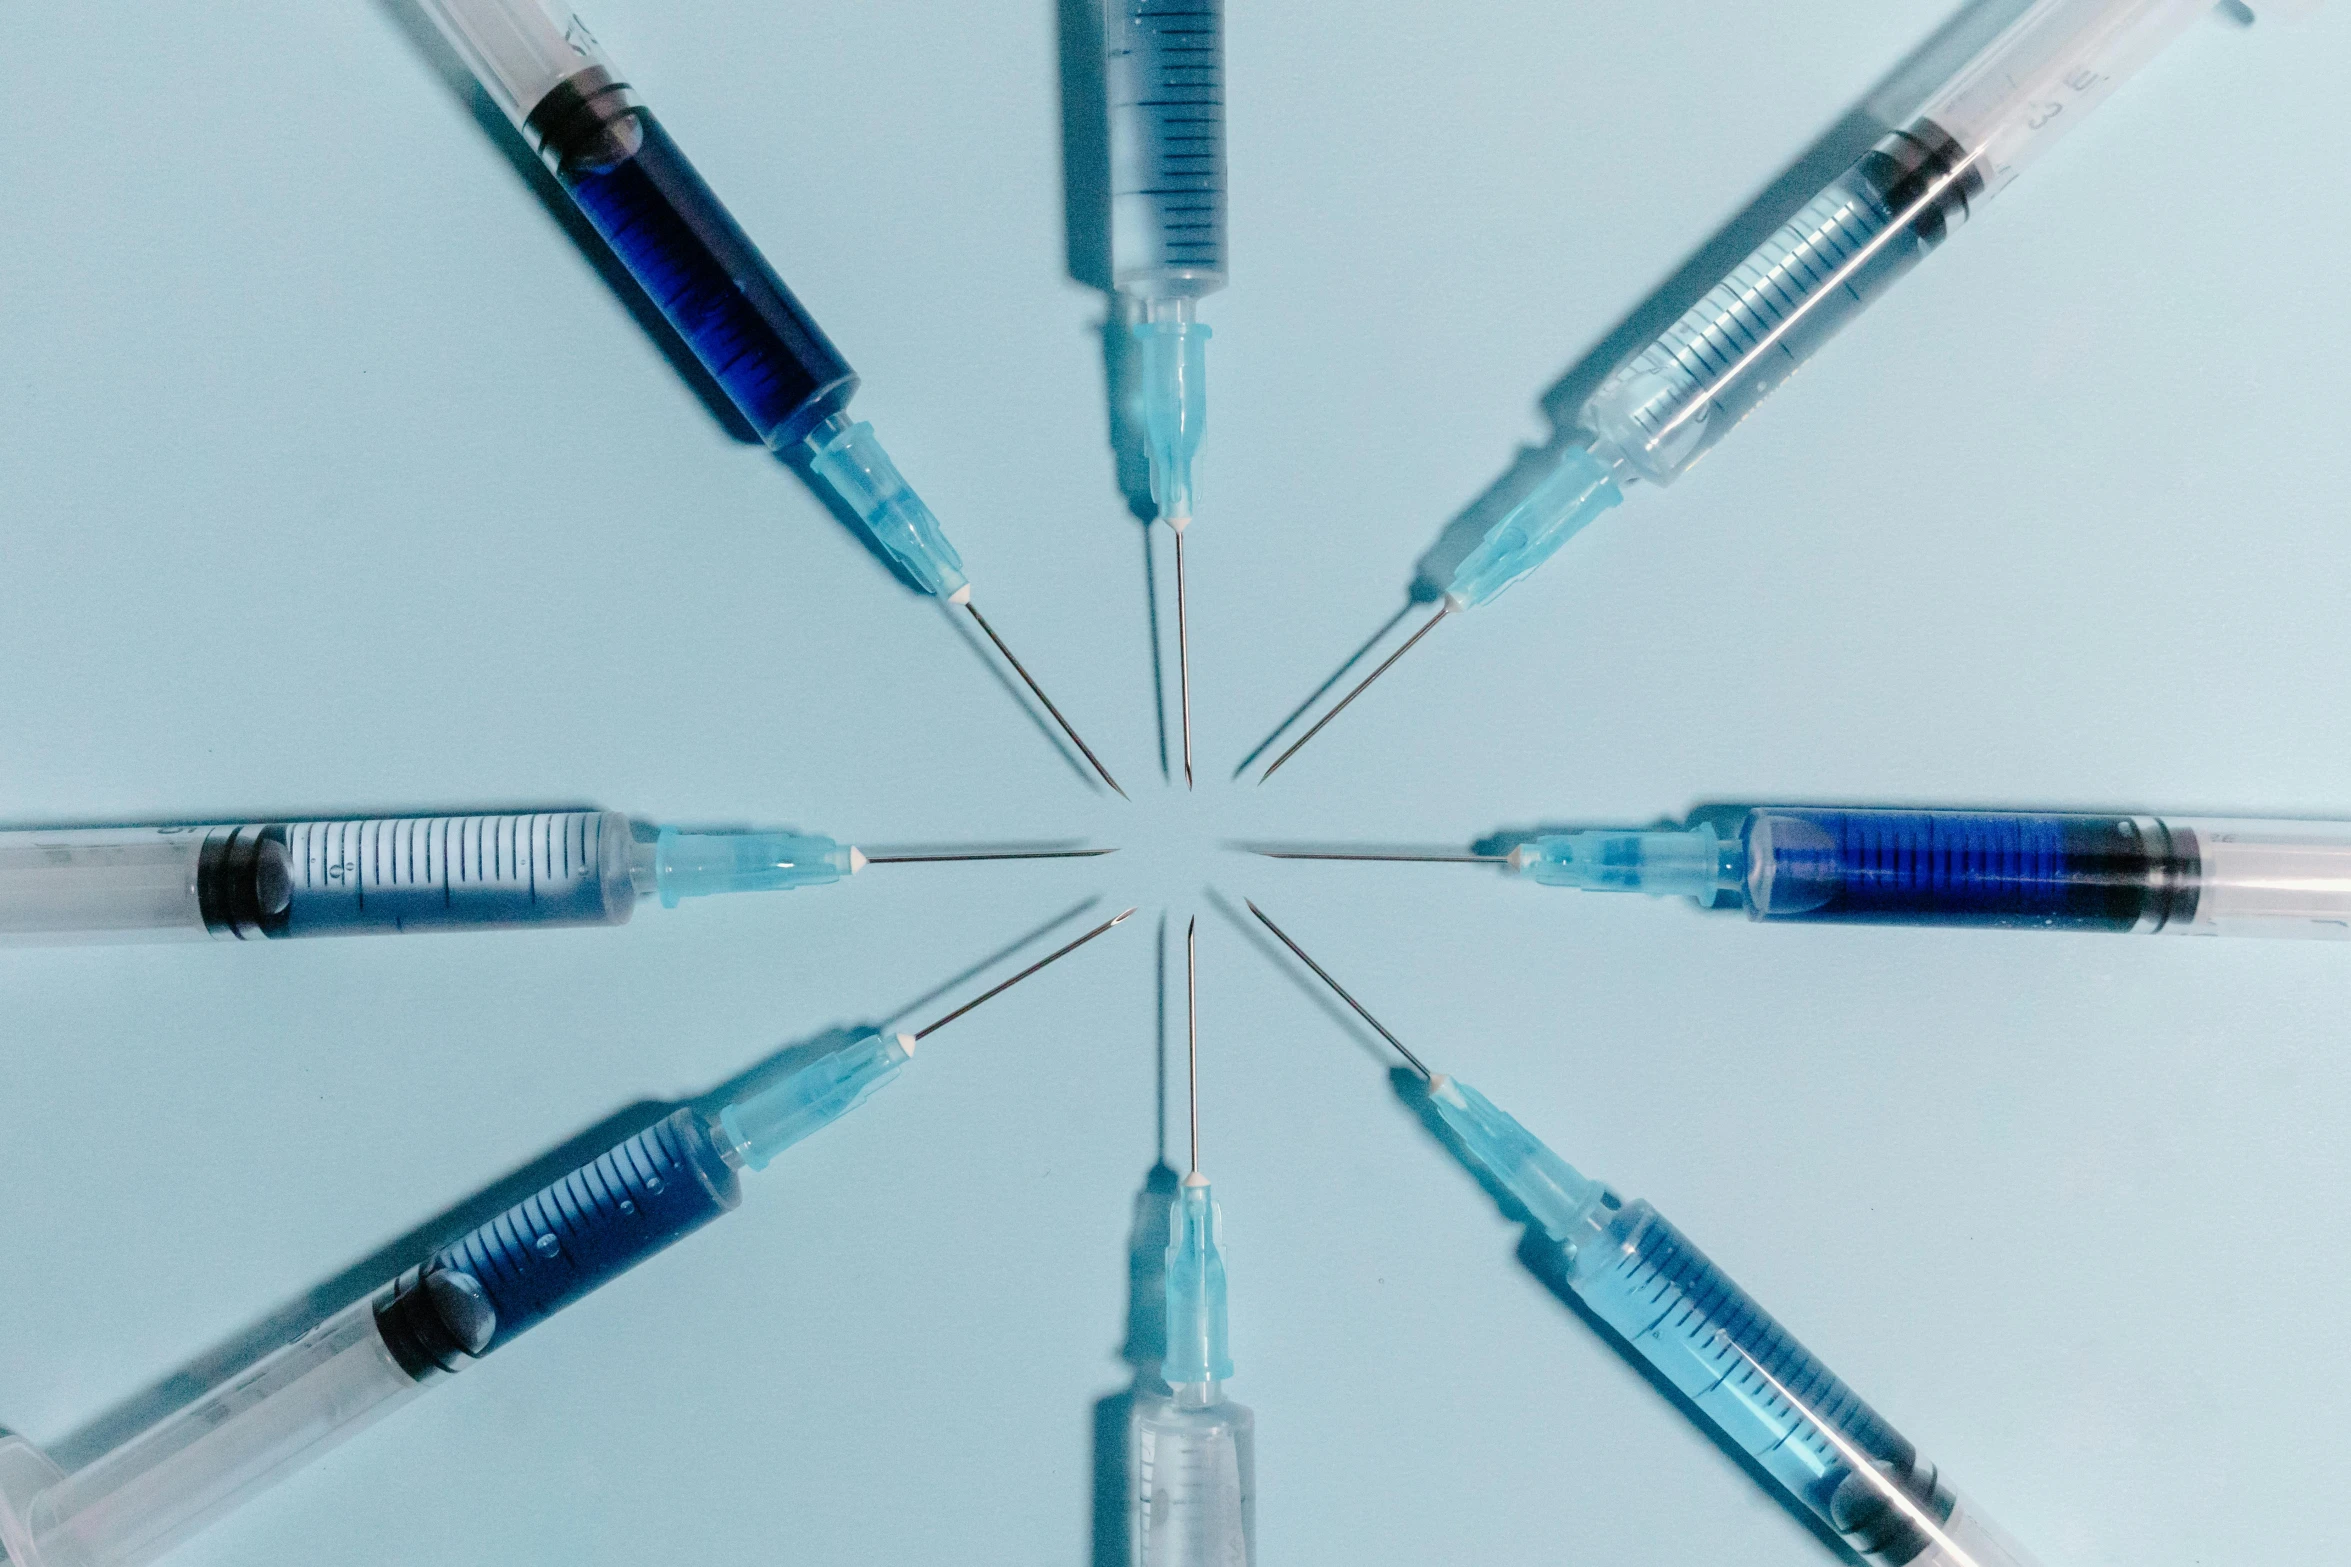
765 1122
1531 532
1174 381
1199 1346
849 458
1557 1196
1696 863
699 864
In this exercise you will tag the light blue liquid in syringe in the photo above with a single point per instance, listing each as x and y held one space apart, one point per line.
1744 1372
1164 75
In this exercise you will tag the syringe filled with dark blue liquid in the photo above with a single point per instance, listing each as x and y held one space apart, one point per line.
2189 875
453 1307
630 181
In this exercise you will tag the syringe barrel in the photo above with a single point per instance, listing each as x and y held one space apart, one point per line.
631 182
1665 407
1164 75
1774 1399
144 1497
263 880
2182 875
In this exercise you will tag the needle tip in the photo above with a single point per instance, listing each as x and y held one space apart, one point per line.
1122 919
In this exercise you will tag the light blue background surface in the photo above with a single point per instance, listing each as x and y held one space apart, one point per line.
336 481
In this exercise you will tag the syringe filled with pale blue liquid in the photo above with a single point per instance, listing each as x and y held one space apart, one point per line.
445 1314
1741 1371
1163 71
2196 876
759 343
1667 406
383 875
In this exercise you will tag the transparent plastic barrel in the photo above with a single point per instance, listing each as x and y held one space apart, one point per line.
262 880
520 50
1670 403
392 874
1769 1395
1195 1503
146 1496
100 884
2186 876
1165 79
2264 878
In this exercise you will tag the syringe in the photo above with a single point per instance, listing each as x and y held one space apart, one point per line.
384 874
1192 1452
1164 77
138 1500
2195 876
1665 407
1756 1385
635 187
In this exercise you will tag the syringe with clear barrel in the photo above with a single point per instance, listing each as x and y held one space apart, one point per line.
1191 1451
386 874
1748 1376
1163 72
468 1298
2194 876
635 187
1666 406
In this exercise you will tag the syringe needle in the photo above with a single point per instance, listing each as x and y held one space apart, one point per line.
994 991
1323 974
1192 1028
1321 723
1413 859
1039 692
987 854
1183 654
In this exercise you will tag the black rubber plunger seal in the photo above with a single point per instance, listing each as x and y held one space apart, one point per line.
1924 177
586 123
437 1321
244 885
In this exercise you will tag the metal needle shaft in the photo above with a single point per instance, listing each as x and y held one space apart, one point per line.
1183 654
1038 691
987 854
1323 974
1192 1028
1413 859
994 991
1321 723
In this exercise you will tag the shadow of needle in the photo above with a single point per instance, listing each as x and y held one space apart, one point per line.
1319 692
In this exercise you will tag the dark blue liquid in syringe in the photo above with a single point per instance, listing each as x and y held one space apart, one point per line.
710 282
2060 872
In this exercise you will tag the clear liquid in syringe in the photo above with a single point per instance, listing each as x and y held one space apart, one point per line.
1167 164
